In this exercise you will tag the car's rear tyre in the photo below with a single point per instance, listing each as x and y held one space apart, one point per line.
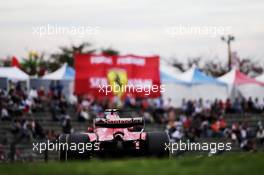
80 153
156 144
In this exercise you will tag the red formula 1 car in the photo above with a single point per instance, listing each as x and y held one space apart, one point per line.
113 136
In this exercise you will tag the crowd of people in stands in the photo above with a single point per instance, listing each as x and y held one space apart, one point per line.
198 119
194 119
204 123
19 106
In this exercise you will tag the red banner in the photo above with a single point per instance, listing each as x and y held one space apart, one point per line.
117 75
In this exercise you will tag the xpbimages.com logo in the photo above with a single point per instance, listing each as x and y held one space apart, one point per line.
121 89
40 147
55 29
213 148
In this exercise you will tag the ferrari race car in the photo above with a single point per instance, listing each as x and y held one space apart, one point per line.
113 136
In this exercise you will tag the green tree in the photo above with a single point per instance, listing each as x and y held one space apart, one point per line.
34 63
110 51
66 54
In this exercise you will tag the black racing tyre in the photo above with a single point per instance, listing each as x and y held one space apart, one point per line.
76 154
156 144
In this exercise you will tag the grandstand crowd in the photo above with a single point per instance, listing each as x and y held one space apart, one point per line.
194 119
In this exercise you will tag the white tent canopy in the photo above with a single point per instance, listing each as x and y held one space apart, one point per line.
13 73
194 84
260 78
167 74
240 84
260 89
63 73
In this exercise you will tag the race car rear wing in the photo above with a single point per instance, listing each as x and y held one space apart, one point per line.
118 123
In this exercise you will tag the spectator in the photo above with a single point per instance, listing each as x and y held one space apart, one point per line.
228 106
184 105
167 104
257 106
4 114
83 115
237 108
260 136
66 125
2 153
198 106
51 135
174 127
37 130
216 129
207 106
59 89
250 104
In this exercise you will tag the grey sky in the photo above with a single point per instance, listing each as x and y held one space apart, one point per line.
136 26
